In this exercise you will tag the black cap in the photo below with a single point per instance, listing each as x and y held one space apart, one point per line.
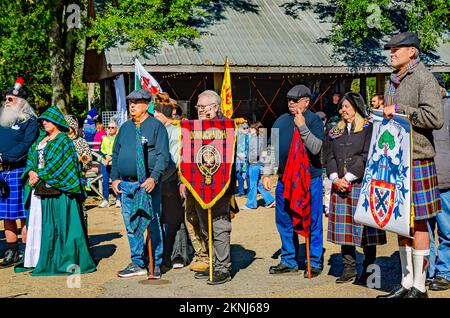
357 101
18 90
403 39
299 91
140 94
439 79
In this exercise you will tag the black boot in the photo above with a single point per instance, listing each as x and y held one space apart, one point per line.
349 260
370 253
11 258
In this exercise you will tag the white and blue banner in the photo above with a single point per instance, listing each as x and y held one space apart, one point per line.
385 199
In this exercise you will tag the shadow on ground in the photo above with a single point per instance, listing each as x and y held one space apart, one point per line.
242 258
100 252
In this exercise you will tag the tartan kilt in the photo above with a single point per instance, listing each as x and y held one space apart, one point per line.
342 229
12 208
426 194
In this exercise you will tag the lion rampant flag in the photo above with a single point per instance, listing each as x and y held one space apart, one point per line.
227 99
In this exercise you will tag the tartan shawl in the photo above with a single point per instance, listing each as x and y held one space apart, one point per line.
142 202
62 169
54 115
297 185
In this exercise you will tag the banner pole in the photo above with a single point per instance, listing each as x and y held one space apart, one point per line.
210 245
150 254
308 257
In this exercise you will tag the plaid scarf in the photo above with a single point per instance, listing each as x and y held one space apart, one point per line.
396 79
297 183
62 169
142 203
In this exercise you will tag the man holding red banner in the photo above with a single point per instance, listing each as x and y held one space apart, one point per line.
208 107
298 210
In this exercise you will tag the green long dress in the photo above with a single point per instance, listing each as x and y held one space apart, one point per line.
63 247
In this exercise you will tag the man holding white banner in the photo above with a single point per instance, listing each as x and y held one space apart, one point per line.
412 90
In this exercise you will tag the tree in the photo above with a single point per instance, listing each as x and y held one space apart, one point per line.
40 40
363 21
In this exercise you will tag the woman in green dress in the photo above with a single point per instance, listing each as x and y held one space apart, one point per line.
54 194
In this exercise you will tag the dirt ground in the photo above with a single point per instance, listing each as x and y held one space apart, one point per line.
255 247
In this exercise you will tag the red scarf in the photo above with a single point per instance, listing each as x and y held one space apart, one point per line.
297 185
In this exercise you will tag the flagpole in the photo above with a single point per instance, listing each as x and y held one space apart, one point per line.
308 259
210 245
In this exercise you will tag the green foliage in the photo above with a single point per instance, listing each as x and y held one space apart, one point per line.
386 138
144 24
364 21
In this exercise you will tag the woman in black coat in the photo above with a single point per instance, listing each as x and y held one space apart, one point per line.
348 148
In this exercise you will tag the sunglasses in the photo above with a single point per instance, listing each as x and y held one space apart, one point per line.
111 127
9 99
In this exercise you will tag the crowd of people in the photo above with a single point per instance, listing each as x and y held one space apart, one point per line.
321 159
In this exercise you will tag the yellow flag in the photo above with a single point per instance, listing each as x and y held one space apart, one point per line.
227 99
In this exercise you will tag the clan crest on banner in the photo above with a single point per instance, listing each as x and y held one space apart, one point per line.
207 157
385 199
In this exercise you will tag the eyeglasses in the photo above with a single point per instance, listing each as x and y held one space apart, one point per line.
202 107
296 100
9 99
111 127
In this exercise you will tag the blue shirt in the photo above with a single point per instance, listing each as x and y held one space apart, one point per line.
15 141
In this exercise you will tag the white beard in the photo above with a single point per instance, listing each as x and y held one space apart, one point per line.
9 116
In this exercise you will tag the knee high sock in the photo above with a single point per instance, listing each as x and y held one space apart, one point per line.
406 260
420 263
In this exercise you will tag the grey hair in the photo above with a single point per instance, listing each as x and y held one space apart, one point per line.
416 53
212 94
26 111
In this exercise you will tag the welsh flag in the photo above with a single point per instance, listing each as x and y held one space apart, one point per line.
144 80
225 94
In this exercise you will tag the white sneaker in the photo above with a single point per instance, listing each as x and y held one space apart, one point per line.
118 204
104 204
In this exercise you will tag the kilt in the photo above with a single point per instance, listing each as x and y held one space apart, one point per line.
426 194
12 208
342 228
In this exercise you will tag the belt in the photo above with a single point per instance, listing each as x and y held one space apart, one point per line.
13 165
130 179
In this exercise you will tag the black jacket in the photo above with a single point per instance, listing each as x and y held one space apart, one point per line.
348 153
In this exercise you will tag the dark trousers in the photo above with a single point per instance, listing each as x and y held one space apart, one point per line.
172 217
349 256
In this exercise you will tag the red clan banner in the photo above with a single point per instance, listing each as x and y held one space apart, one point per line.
206 158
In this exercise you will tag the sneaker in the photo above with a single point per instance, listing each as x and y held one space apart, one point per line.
118 205
270 206
104 204
177 263
11 258
314 272
244 207
219 278
132 270
202 275
156 272
281 269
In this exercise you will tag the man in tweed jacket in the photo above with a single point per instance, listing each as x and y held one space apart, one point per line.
413 90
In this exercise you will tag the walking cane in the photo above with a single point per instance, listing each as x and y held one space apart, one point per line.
150 255
308 260
210 245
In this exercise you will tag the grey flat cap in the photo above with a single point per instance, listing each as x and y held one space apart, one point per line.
299 91
140 94
403 39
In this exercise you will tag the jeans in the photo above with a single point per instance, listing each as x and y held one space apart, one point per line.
139 254
289 239
105 173
241 177
255 186
440 261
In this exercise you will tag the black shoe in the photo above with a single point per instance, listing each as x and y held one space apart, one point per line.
415 293
314 272
202 275
398 292
281 268
11 258
361 280
440 283
347 276
428 281
219 278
